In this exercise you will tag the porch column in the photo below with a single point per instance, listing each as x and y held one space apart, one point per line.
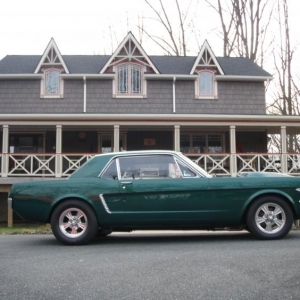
5 142
284 167
233 164
58 147
116 138
177 138
99 142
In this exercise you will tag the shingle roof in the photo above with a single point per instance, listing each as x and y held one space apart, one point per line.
92 64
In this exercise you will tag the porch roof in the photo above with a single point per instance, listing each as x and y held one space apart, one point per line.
250 121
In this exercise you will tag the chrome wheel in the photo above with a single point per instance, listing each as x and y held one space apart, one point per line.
73 222
270 218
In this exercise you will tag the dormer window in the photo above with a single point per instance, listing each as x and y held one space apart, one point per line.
129 78
52 82
206 85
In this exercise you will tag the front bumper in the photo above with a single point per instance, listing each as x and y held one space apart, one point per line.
9 202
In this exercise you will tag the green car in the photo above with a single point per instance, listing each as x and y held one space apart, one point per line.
142 190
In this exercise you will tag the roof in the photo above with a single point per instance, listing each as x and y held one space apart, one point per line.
92 64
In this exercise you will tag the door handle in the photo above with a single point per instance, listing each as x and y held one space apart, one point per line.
123 184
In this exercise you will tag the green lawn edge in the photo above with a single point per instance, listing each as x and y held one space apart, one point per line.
24 228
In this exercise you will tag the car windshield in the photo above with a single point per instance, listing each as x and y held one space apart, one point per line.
195 166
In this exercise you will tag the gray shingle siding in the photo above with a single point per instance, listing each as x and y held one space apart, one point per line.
23 96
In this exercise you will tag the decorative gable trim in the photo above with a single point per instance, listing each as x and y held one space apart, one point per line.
206 59
51 58
129 51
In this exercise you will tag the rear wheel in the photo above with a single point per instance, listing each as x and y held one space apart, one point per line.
270 217
74 223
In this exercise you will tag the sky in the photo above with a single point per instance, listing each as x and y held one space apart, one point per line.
98 26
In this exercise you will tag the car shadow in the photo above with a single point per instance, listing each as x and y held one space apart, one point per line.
171 237
167 238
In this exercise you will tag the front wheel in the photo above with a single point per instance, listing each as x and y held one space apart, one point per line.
269 218
74 223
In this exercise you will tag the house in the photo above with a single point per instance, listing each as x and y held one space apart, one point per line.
56 111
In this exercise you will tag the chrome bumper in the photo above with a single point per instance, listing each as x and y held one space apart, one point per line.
9 202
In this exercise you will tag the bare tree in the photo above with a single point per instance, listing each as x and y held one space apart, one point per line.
286 82
243 30
286 95
176 41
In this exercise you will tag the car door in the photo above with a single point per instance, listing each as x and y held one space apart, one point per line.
111 208
155 192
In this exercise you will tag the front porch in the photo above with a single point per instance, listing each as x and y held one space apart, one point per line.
55 146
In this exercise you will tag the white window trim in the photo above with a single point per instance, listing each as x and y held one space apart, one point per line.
130 96
214 96
43 87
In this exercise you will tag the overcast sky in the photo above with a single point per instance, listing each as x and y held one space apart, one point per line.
86 26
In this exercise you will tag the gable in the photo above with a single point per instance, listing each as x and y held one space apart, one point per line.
129 51
51 58
206 59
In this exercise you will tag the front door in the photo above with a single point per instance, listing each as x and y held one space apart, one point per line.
156 193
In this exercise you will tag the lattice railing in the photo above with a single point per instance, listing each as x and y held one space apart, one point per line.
214 163
71 162
31 164
45 165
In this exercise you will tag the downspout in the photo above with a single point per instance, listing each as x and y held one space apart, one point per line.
174 95
84 94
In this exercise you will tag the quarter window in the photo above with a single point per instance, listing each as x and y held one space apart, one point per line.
111 172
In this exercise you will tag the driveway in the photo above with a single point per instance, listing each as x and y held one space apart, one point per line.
150 265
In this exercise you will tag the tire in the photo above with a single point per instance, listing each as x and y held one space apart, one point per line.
270 218
74 223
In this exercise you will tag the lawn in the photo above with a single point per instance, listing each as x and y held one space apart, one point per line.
25 228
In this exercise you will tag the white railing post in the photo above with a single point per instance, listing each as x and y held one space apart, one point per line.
58 147
116 138
233 164
177 138
5 140
284 168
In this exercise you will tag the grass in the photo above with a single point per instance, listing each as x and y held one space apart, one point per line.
25 228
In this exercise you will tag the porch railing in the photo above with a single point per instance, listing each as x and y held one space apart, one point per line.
62 165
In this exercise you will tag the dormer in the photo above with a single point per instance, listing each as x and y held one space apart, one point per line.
51 66
206 66
129 63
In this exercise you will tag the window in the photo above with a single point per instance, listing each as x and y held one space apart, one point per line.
52 85
201 143
185 171
149 167
129 80
111 172
52 82
206 85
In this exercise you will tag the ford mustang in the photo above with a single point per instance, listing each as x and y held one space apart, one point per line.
142 190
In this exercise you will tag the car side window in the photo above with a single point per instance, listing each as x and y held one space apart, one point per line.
111 171
185 171
148 167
